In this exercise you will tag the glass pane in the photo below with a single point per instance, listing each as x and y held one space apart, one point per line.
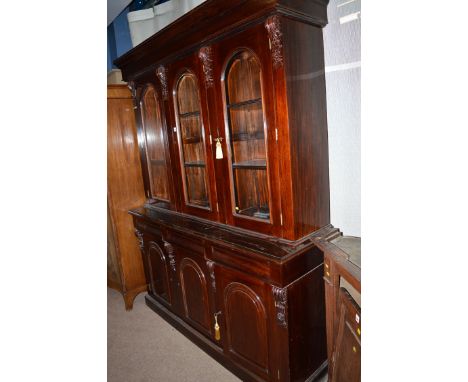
247 135
153 127
195 186
192 138
252 192
244 79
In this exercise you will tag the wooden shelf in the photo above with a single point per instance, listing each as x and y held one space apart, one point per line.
255 164
258 135
190 114
200 203
244 103
158 162
190 140
194 164
257 212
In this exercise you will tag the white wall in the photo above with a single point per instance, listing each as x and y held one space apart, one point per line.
343 77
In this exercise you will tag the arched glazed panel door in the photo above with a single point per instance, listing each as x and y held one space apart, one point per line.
191 137
246 131
155 145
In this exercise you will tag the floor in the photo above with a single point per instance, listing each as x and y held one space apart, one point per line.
142 347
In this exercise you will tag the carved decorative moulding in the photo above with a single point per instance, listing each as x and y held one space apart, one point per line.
206 56
170 253
280 296
139 235
273 26
161 73
131 86
210 266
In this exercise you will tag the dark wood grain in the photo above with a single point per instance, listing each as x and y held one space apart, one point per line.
235 239
191 139
211 22
347 350
242 277
342 313
307 121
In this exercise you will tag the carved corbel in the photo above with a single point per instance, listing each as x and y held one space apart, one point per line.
132 87
280 296
210 266
170 253
273 26
139 236
206 56
161 73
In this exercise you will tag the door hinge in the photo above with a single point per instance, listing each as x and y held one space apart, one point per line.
211 140
278 375
217 207
276 134
281 219
269 42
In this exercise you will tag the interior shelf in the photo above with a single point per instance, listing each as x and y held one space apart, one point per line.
257 212
194 164
158 162
257 135
190 114
193 139
244 103
255 164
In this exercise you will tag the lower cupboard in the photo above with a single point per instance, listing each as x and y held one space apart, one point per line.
261 315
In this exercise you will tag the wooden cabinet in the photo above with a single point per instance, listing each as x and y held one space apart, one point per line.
124 191
343 298
233 141
233 115
347 351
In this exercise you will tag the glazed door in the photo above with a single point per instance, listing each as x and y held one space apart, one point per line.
243 319
192 136
248 132
154 146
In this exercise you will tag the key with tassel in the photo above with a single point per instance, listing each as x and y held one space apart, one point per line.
219 149
216 327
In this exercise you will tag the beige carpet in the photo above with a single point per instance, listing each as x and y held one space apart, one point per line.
142 347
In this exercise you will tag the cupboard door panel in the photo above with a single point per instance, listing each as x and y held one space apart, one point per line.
158 271
245 319
194 293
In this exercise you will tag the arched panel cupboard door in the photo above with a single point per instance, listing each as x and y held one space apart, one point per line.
154 147
250 133
244 320
158 271
191 132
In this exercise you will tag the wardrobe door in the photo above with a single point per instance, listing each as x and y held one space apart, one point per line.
249 131
154 148
193 136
